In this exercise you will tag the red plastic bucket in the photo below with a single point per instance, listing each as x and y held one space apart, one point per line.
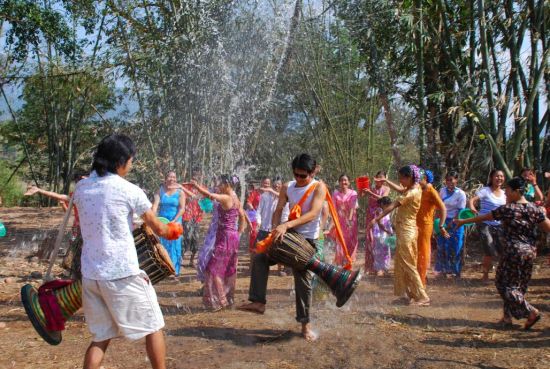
362 183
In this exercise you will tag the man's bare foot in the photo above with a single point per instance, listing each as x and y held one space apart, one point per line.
253 307
308 333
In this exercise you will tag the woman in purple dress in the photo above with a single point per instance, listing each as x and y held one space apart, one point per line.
221 271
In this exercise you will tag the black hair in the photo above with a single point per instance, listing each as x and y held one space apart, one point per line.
78 175
380 173
226 179
518 184
525 169
384 201
452 173
113 152
406 171
491 174
342 176
304 162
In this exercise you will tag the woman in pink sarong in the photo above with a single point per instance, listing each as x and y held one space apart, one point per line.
220 274
345 202
374 193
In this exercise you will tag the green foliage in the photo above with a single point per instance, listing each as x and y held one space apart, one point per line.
60 121
12 192
222 84
31 22
327 106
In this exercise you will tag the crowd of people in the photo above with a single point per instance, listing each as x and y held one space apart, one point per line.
412 218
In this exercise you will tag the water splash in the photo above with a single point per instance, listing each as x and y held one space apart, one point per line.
221 91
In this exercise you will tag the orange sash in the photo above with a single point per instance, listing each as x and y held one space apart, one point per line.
296 212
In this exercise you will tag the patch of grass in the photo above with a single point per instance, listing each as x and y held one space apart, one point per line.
12 192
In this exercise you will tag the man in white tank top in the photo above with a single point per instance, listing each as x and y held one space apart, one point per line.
303 167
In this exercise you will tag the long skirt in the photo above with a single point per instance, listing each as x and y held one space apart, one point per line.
369 245
174 250
449 250
349 232
406 278
512 278
382 255
173 247
207 249
221 272
425 231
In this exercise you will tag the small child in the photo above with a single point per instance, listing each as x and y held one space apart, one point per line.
381 230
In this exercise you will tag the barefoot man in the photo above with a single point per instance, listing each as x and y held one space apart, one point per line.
303 167
117 296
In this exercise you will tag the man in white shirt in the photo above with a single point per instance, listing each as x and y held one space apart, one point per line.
303 167
117 297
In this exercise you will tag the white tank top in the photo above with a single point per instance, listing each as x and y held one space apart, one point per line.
294 194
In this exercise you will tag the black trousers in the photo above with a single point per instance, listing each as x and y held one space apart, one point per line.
302 284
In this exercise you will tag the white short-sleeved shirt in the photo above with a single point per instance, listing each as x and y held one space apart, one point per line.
454 202
106 205
489 202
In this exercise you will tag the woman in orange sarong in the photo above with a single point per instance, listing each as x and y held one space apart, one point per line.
429 203
406 279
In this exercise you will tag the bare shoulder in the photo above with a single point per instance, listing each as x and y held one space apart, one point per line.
321 188
284 188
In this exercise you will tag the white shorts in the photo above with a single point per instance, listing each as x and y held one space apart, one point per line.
125 307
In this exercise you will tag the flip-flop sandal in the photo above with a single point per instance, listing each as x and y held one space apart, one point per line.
531 323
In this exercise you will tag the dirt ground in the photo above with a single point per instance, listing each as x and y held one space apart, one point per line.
457 331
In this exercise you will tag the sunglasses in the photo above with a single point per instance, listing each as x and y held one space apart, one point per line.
302 176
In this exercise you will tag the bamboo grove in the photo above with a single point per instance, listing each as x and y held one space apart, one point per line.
219 85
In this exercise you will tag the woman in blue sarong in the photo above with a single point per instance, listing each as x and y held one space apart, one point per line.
170 204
